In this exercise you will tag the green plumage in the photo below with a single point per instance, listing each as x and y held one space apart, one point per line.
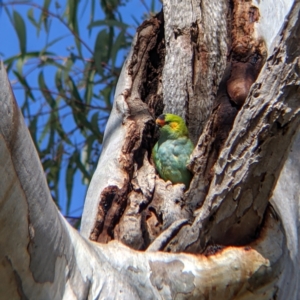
173 149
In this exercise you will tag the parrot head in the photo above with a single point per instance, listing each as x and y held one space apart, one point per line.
171 126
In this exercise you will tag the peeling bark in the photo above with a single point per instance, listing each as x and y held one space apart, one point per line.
247 56
196 50
140 99
152 205
249 165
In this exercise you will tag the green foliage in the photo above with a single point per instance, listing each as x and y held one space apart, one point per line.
68 79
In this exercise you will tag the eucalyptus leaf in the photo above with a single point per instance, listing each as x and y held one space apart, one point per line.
109 23
70 172
20 28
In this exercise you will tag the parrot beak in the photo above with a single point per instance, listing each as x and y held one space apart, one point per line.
160 121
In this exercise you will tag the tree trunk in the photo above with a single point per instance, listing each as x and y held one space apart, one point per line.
231 69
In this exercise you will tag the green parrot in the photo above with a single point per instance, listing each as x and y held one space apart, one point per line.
173 149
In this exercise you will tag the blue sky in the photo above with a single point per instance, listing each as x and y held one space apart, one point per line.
10 46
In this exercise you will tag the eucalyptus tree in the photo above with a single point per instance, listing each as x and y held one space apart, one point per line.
231 69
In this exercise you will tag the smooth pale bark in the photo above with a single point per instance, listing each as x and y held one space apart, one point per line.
42 257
